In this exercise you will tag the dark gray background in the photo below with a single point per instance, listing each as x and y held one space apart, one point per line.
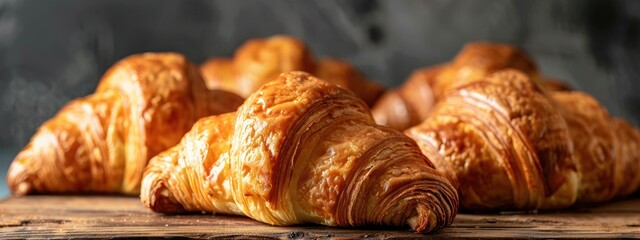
54 51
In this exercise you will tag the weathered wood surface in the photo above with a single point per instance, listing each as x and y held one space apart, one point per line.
122 217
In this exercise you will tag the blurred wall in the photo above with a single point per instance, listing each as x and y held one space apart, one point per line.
54 51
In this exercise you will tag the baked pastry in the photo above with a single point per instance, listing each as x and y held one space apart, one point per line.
260 60
503 145
594 144
410 104
300 150
101 143
606 148
480 59
509 142
628 156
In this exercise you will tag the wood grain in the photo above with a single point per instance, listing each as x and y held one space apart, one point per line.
122 217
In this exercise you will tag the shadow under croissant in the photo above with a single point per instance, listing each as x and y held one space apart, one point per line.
308 227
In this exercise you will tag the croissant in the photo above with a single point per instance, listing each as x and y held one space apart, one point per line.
411 103
503 144
300 150
606 148
260 60
101 143
508 133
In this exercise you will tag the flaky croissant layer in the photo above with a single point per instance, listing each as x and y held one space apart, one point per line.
101 143
301 150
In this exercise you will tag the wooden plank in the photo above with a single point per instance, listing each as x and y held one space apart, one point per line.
122 217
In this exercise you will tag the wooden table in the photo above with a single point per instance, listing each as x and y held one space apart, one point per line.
115 217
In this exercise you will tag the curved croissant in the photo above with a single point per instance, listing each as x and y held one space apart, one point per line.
260 60
507 145
606 149
503 144
410 104
594 143
101 143
301 150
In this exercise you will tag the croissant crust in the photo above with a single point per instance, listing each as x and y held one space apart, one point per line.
301 150
602 147
503 144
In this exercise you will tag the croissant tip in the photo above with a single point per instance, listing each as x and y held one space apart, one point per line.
159 199
421 222
21 189
18 180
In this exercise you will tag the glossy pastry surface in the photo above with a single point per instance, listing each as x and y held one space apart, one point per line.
503 145
301 151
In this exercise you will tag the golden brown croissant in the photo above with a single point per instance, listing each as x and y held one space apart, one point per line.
411 103
260 60
503 144
101 143
593 140
490 133
606 148
300 150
